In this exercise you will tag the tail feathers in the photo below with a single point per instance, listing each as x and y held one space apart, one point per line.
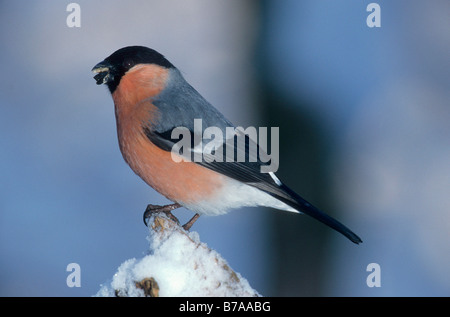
302 205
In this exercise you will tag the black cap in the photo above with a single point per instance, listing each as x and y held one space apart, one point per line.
111 70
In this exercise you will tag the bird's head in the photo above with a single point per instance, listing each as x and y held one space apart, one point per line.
111 70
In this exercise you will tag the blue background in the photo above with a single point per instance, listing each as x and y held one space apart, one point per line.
378 98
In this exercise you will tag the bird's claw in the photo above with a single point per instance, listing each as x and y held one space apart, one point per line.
151 209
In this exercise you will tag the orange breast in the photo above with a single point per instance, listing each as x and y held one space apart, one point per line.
183 182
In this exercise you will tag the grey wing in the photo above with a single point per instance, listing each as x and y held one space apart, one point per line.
248 171
180 104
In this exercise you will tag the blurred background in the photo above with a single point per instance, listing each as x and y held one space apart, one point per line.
364 135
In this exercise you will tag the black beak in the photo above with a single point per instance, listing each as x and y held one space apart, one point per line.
103 71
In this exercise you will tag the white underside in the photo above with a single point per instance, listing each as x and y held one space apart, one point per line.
234 195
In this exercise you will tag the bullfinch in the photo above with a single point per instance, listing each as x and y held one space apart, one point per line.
152 99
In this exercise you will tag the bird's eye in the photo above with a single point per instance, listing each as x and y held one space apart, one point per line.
128 63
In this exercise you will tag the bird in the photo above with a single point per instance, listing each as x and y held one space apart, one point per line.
151 99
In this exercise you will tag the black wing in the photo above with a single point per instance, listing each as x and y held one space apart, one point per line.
249 173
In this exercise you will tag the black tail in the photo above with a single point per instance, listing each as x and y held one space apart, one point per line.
302 205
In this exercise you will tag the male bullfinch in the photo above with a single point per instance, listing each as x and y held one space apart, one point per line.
151 99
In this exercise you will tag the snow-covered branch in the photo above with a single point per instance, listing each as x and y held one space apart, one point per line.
177 264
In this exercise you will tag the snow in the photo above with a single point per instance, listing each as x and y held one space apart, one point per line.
180 264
